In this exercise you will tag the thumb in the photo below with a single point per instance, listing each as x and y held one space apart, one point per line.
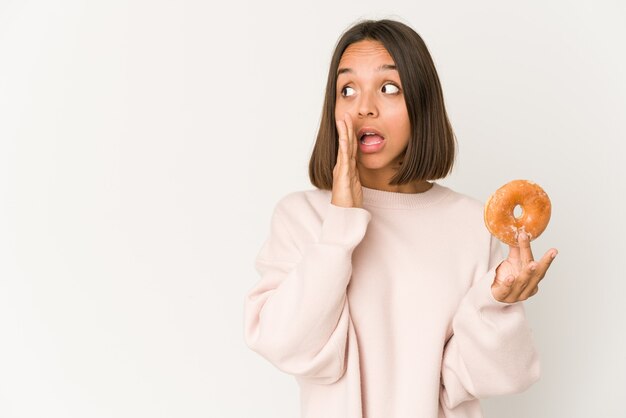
501 289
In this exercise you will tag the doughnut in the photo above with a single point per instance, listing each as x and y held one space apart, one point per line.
504 224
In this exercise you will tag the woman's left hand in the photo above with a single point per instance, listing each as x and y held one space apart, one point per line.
518 276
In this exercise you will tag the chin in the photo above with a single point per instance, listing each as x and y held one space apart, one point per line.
374 160
374 165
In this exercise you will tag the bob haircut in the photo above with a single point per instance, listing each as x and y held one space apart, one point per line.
431 150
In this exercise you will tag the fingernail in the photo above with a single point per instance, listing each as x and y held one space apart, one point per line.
522 235
533 266
554 253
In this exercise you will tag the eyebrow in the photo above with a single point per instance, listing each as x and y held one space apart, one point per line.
384 67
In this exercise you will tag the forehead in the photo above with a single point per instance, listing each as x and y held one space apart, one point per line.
364 51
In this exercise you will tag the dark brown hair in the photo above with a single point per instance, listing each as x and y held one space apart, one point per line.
431 149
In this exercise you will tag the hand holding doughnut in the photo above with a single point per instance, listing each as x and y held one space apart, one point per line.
518 276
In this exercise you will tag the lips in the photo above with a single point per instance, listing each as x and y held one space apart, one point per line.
371 140
369 131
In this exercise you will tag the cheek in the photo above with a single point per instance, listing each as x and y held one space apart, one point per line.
340 109
402 126
400 119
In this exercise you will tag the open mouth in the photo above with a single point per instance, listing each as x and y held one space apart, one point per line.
370 138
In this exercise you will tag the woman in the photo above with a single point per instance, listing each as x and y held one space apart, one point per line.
381 290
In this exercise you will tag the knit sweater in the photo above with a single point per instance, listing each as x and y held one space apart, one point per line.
386 311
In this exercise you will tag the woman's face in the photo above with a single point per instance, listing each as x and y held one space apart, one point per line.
369 89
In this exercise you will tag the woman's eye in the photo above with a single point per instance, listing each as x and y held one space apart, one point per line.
391 88
346 91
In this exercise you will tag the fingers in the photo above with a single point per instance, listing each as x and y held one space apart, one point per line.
348 124
343 140
513 285
351 136
536 272
514 253
513 289
526 283
502 289
347 190
346 135
525 252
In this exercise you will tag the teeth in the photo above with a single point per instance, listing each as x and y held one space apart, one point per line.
371 143
368 134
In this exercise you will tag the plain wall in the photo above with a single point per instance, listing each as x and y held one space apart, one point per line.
144 144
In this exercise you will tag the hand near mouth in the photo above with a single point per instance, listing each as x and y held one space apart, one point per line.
347 190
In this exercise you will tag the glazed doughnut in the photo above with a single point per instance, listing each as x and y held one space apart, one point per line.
501 220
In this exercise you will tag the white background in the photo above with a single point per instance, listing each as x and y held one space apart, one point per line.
143 145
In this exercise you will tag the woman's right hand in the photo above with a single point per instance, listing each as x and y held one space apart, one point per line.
347 190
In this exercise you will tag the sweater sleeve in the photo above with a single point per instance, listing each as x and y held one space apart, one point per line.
297 316
491 351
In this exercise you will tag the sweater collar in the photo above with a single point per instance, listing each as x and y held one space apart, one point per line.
396 200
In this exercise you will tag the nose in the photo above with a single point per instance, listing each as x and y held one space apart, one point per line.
367 105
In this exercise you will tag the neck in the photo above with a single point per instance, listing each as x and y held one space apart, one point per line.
383 185
378 179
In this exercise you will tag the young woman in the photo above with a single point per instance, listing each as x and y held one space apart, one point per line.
381 290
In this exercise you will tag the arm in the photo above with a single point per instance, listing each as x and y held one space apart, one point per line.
491 351
297 315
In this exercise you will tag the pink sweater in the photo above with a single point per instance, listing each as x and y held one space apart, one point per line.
386 311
